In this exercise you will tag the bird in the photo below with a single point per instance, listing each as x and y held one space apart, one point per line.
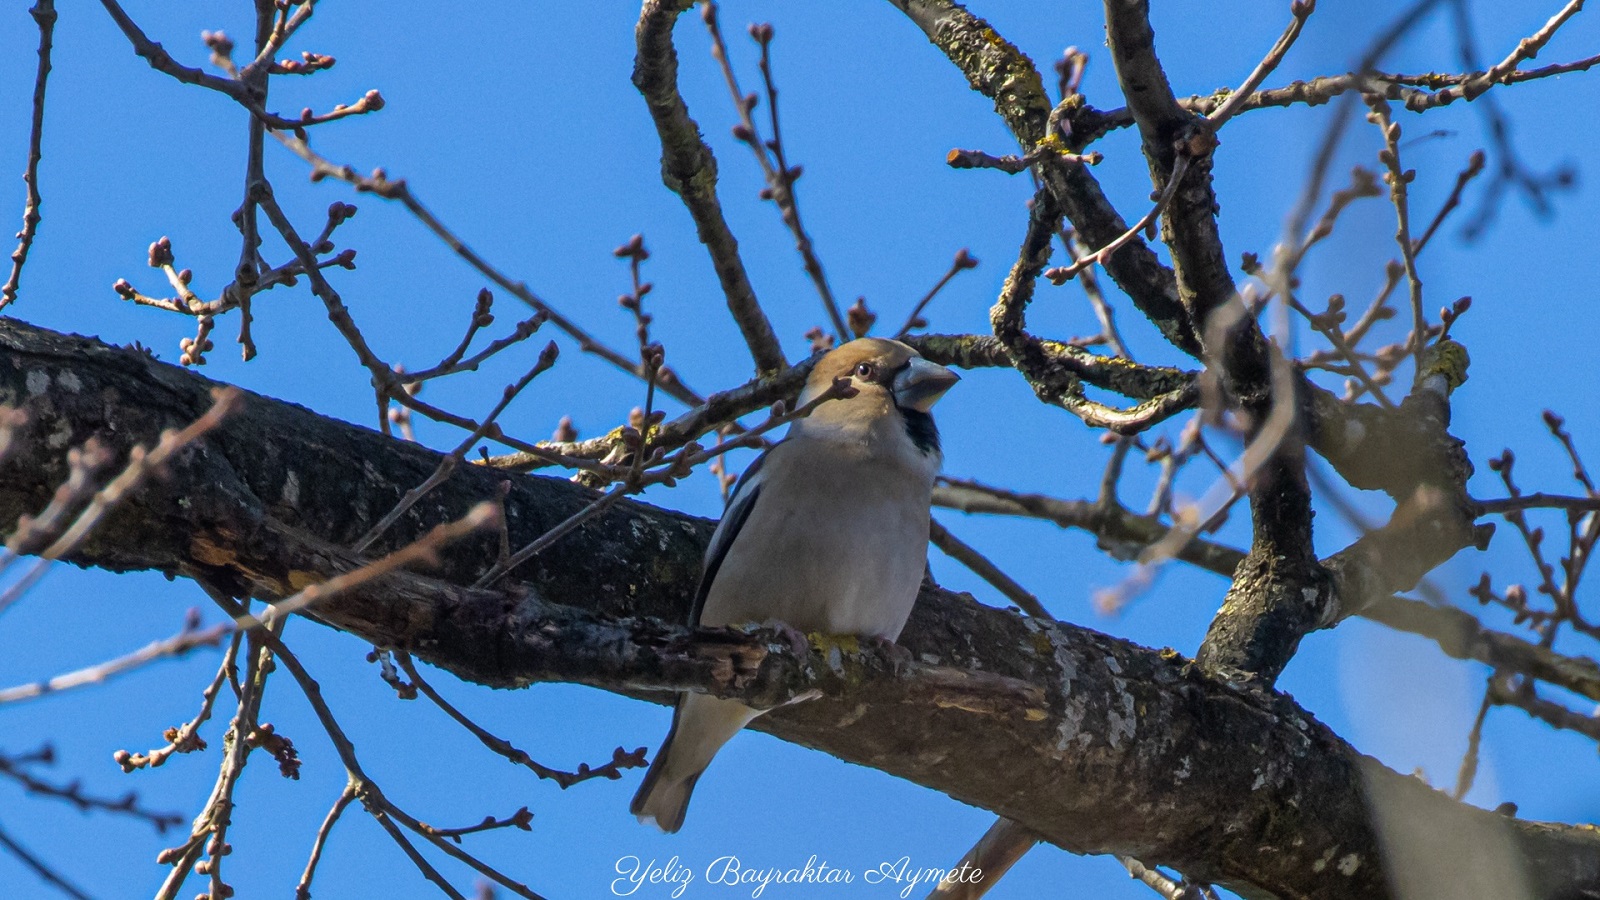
827 531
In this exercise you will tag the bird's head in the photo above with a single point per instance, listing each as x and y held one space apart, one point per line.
894 390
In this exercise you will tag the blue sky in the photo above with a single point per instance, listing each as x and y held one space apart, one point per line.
517 124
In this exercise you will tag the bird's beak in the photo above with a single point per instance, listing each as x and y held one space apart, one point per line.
922 384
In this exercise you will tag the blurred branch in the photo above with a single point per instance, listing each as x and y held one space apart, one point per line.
49 875
142 462
993 855
179 645
73 794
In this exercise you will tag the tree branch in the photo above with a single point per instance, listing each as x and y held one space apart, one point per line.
1113 748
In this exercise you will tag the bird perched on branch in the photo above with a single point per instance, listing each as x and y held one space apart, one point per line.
826 532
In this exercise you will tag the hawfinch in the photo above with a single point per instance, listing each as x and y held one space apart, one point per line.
827 532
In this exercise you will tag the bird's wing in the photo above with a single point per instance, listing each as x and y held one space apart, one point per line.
740 504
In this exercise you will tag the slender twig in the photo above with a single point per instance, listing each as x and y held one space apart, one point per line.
367 790
1397 177
1474 167
1061 274
963 260
969 556
780 177
44 14
399 190
207 836
302 891
522 819
1474 85
561 529
72 793
1013 164
162 61
1097 298
1556 715
448 464
282 28
1507 505
186 738
612 770
1299 11
1469 760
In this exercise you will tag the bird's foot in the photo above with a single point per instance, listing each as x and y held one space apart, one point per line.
899 657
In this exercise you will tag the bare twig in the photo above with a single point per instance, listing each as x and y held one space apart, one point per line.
561 529
302 891
969 556
1299 11
371 796
382 185
1539 501
522 818
44 14
1397 178
780 176
612 770
448 464
208 834
186 738
963 260
1012 164
1469 760
1061 274
1474 167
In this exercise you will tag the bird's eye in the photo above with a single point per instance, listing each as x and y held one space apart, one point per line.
866 370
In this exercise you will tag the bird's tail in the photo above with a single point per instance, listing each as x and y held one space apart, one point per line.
700 726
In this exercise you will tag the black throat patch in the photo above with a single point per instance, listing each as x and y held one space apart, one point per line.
921 430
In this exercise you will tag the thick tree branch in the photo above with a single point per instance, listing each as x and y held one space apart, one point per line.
1052 383
998 70
1111 747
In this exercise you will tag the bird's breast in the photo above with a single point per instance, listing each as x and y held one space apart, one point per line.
839 549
